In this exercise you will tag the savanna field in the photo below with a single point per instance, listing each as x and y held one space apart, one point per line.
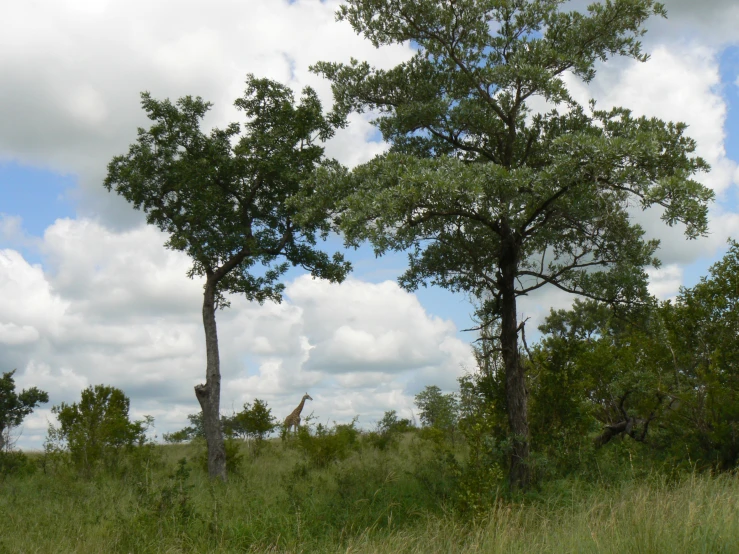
614 429
357 492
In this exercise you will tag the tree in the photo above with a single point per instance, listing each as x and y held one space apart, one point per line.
665 376
600 374
196 429
14 407
98 428
437 409
703 326
491 198
254 422
224 198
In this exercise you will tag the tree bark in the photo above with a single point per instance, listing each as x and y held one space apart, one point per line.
515 380
209 394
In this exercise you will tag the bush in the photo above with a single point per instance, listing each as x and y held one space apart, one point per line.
389 429
97 430
253 423
15 463
195 430
329 444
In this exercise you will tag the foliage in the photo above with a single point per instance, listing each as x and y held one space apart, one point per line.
234 457
437 410
398 500
222 197
663 377
196 429
489 197
253 423
14 407
325 445
389 430
97 429
703 326
15 463
599 374
176 437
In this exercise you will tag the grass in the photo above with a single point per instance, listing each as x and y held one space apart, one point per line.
397 500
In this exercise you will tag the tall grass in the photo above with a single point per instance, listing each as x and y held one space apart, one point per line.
393 500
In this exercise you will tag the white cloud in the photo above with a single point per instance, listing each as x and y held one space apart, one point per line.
679 83
665 282
70 94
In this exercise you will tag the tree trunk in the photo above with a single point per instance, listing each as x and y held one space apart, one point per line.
515 380
209 394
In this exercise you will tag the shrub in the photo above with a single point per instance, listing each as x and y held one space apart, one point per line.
388 431
15 463
97 429
253 423
329 444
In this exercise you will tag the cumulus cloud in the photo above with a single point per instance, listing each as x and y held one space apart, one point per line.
678 83
117 308
665 282
70 94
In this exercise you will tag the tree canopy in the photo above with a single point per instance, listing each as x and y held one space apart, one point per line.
491 197
665 377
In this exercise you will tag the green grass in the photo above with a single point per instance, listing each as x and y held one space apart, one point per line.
398 500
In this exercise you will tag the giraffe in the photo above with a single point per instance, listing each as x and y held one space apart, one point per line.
293 420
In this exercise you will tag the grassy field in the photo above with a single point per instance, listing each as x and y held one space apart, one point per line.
396 500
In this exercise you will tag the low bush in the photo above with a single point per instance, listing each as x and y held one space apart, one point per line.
15 463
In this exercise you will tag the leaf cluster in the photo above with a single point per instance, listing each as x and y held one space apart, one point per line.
223 196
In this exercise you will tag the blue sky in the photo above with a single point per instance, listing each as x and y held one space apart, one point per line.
90 295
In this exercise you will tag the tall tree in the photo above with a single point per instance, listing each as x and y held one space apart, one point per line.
14 407
496 200
224 198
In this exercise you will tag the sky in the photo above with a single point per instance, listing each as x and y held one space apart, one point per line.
89 295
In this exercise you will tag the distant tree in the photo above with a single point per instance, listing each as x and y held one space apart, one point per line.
176 437
437 409
225 200
14 407
391 423
254 422
194 430
490 198
98 428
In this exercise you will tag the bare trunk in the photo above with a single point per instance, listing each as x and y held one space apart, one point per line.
209 394
515 380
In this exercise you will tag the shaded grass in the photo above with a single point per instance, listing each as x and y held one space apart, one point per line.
373 501
700 514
